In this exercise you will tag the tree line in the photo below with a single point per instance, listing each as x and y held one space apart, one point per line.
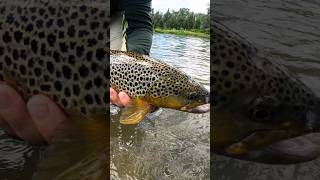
183 19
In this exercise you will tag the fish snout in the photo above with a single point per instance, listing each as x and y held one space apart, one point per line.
313 120
204 105
200 109
207 99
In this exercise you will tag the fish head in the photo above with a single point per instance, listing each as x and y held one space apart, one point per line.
255 102
176 90
253 122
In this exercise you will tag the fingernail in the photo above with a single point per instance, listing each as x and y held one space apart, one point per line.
38 108
124 98
4 97
122 95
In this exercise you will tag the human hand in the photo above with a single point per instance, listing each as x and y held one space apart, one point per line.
121 99
34 121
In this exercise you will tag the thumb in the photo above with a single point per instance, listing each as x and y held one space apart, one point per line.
46 115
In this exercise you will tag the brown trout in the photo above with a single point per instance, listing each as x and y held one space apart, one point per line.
255 102
153 83
57 48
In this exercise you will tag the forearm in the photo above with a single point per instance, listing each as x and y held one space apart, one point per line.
139 32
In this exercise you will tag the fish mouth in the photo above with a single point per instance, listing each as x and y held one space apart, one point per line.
276 147
290 151
198 109
255 141
203 107
302 148
276 138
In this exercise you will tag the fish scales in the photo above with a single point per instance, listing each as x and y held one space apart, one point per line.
239 67
56 48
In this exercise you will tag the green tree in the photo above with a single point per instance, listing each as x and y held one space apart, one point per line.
181 19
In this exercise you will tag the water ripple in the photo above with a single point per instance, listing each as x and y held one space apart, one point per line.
189 54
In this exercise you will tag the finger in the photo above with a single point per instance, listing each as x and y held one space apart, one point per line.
14 112
46 115
114 99
124 98
5 126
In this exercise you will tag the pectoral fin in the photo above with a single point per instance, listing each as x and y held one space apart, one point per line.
135 112
78 151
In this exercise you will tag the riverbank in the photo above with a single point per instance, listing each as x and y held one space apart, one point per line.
183 32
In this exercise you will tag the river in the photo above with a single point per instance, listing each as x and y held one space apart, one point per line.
288 32
169 144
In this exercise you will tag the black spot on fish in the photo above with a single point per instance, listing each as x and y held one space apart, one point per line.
67 72
88 99
6 37
58 85
76 90
34 46
17 36
84 71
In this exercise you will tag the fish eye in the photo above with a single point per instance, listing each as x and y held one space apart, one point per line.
261 114
192 96
261 108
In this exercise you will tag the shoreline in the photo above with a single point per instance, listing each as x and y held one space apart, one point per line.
182 32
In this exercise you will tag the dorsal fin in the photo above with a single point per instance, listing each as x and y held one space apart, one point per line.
129 53
139 57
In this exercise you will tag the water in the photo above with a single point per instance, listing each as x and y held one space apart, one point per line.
189 54
171 144
18 159
288 32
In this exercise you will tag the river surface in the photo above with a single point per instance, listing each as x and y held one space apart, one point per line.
18 159
287 32
169 144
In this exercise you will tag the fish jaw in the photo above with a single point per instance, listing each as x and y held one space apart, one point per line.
237 135
200 109
291 151
294 143
257 140
202 106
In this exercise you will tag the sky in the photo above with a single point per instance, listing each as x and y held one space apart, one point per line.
198 6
